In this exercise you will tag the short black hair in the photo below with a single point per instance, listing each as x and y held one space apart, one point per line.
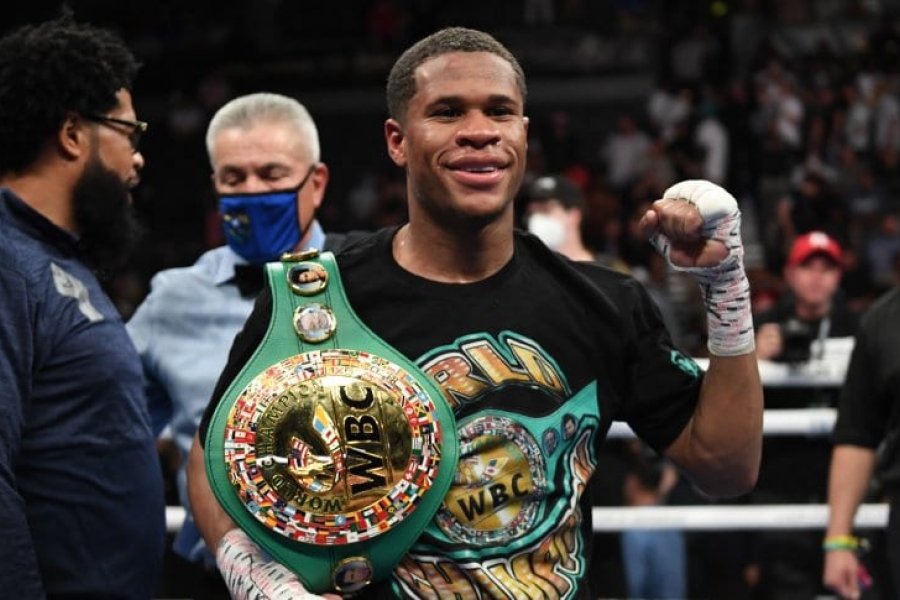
401 84
50 70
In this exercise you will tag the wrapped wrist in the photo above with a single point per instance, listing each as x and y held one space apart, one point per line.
724 286
729 316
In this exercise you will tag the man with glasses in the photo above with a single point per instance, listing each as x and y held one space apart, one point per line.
80 485
266 170
134 129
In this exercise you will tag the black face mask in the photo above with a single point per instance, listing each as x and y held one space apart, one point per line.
107 227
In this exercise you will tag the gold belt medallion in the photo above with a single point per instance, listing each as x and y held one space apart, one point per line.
332 446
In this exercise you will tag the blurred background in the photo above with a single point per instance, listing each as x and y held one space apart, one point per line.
792 105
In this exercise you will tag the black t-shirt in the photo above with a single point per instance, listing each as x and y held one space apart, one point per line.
869 409
536 361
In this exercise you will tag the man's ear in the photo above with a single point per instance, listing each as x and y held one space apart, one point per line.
319 178
575 216
393 135
72 139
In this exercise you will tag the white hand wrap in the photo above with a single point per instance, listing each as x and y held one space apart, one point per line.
725 288
251 575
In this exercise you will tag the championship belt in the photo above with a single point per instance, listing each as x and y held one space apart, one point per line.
331 449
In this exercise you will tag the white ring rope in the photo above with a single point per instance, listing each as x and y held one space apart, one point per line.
712 518
695 518
827 372
813 422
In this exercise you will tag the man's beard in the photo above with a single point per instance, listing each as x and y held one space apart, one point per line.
107 227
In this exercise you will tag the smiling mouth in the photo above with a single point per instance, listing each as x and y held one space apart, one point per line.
482 169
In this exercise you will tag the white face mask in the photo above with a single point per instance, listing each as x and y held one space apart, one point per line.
549 230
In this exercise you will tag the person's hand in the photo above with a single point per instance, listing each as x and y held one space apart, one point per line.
842 573
681 224
250 575
697 227
769 343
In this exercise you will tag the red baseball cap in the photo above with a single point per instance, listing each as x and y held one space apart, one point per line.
812 244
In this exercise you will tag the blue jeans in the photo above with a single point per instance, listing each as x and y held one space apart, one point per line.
655 563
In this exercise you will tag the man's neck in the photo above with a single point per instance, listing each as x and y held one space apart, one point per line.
48 195
575 250
453 256
812 312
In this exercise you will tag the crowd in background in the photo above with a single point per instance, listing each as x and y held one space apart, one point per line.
792 106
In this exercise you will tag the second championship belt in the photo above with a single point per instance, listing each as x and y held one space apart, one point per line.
331 449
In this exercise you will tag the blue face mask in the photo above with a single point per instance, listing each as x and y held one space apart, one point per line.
263 225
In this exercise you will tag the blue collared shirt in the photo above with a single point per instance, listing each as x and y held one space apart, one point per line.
81 493
183 331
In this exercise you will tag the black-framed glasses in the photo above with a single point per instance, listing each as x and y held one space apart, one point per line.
137 128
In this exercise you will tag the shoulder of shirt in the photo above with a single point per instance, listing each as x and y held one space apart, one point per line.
23 255
608 294
337 242
202 270
600 276
358 245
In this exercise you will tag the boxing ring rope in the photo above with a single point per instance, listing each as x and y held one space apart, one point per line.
695 518
730 518
809 422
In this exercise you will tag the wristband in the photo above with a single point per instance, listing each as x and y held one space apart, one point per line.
724 287
843 542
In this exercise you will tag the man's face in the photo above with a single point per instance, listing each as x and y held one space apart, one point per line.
101 198
114 144
266 157
463 142
814 281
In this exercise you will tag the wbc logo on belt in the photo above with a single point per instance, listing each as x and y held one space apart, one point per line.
332 446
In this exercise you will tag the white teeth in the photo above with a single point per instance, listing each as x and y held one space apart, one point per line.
481 169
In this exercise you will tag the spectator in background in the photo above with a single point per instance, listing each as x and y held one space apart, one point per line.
267 172
667 109
81 491
655 560
624 153
882 250
561 143
711 139
693 55
812 207
794 469
553 212
887 122
812 309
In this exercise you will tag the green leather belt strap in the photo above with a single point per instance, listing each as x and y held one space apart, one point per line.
345 490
